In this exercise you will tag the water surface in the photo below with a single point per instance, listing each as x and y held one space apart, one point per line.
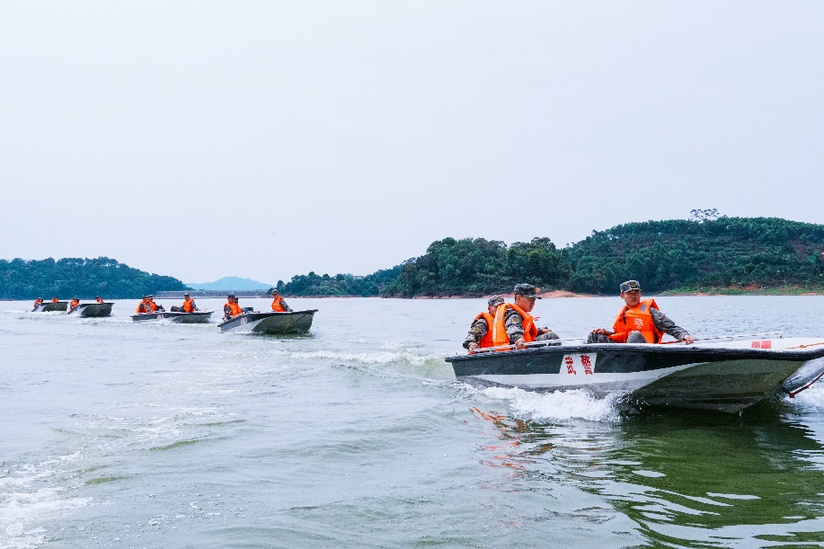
119 434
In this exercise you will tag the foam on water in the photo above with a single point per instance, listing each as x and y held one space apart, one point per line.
557 406
370 357
810 400
30 494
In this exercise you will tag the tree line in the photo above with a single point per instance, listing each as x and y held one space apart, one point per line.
79 277
705 252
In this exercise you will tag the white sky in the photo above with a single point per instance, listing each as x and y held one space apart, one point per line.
267 139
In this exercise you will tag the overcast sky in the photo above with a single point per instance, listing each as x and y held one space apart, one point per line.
267 139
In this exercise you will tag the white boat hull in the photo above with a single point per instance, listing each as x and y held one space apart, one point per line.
724 377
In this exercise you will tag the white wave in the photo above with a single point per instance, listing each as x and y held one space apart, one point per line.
375 357
561 405
810 400
26 498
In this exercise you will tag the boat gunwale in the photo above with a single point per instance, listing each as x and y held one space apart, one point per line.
259 316
648 349
170 315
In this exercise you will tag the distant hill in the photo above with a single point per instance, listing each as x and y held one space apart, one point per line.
230 283
706 253
697 255
79 277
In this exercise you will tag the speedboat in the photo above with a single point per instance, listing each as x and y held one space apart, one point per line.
93 309
182 317
727 375
52 306
293 322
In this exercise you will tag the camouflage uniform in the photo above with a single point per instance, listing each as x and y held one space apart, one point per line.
480 327
283 304
477 332
514 325
661 321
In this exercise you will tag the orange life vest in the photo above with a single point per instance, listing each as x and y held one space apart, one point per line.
499 335
55 300
636 319
99 300
142 308
189 305
234 309
38 302
74 303
152 305
277 305
486 340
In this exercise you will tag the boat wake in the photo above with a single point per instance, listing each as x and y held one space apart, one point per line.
809 401
28 494
558 406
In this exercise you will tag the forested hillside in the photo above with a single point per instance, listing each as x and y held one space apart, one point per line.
704 253
722 253
689 255
375 284
78 277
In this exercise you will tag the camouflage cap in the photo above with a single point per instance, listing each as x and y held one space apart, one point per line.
630 285
495 300
527 290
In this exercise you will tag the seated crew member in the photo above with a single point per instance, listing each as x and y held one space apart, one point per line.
98 299
73 305
155 306
638 321
279 304
55 300
480 332
232 308
37 302
189 304
514 325
144 306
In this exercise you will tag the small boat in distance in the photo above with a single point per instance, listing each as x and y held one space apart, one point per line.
727 376
93 310
292 322
197 317
52 306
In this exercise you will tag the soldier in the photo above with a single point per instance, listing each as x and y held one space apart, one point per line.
189 305
515 325
279 304
638 321
480 333
154 306
232 308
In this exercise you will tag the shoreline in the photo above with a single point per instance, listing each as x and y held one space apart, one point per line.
554 294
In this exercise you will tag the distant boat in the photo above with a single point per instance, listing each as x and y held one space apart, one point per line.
52 306
295 322
95 310
197 317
